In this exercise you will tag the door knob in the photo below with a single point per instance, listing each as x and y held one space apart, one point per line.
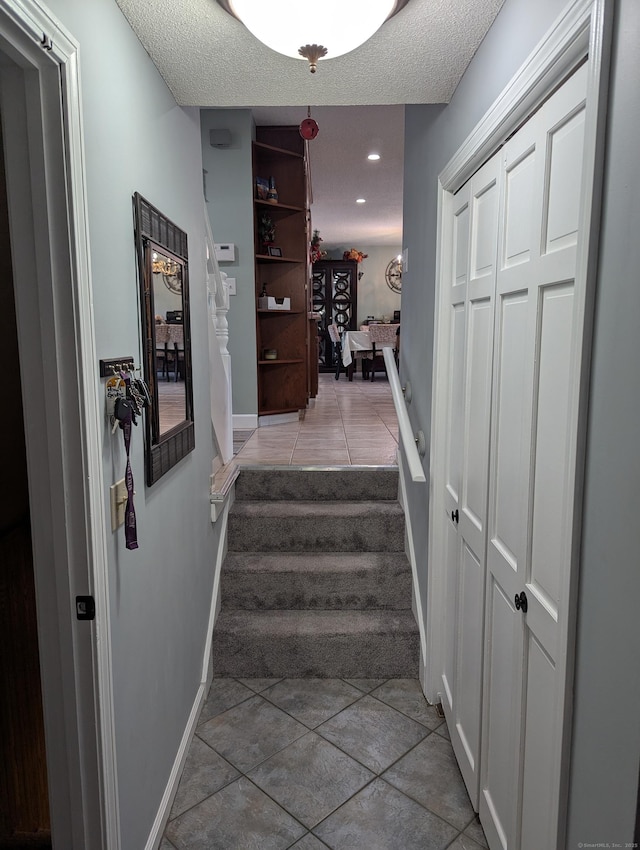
455 516
521 602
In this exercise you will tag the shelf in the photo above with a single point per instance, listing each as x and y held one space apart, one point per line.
278 362
281 312
266 258
277 153
279 410
285 209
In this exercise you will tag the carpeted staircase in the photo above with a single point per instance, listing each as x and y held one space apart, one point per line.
316 582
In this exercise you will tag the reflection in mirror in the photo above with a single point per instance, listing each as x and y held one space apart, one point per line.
164 286
169 333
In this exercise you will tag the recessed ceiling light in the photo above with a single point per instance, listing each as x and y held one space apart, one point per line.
373 156
361 201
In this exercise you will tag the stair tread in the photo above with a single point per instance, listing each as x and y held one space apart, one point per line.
328 508
313 562
289 483
304 623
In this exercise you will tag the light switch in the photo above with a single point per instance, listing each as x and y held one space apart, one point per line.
118 494
231 283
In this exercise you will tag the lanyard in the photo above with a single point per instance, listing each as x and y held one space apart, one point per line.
130 530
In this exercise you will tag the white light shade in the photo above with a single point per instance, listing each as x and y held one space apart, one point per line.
287 25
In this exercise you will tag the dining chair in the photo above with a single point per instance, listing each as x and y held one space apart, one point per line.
334 336
381 335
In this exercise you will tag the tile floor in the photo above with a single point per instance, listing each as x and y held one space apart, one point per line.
311 764
350 423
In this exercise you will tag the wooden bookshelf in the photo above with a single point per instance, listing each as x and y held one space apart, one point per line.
283 383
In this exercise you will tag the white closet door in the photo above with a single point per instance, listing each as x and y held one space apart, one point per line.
472 287
532 474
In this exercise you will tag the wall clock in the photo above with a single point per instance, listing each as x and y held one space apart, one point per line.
393 274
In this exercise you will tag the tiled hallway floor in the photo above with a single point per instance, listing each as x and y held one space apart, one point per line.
349 423
311 764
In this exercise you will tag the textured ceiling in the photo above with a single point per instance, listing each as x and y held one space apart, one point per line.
209 59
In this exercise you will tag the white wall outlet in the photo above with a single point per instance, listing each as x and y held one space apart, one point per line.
118 500
231 283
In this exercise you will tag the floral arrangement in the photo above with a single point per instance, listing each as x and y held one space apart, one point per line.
315 252
266 229
353 254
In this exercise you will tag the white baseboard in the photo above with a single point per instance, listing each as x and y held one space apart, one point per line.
164 810
242 421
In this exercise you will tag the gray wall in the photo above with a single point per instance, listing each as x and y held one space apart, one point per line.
138 139
606 740
604 771
230 204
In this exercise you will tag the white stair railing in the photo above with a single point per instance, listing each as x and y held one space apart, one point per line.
413 445
219 357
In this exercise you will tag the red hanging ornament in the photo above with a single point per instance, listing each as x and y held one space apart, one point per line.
309 128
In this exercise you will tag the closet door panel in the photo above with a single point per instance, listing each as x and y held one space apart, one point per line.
503 705
550 475
472 285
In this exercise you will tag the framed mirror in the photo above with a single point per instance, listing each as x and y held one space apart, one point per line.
163 272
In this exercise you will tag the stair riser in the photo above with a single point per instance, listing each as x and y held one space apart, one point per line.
352 485
312 534
313 591
330 656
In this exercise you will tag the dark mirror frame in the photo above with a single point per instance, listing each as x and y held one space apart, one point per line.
154 231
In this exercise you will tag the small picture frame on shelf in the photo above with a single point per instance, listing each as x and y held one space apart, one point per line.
262 188
273 251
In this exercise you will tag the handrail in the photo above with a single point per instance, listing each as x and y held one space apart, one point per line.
404 425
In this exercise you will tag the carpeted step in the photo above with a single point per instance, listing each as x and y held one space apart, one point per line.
296 580
291 484
329 644
316 527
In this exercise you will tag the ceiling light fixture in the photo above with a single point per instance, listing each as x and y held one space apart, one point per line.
312 30
374 157
361 201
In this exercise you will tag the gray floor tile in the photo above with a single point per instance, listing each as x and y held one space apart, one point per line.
309 842
312 701
443 731
462 842
365 685
250 732
381 817
205 772
239 817
310 778
406 695
258 685
166 845
373 733
476 832
223 694
430 775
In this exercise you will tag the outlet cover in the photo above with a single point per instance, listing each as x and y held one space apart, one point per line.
118 500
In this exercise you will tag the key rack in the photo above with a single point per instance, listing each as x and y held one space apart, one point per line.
116 364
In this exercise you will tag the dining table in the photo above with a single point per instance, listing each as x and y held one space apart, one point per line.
358 341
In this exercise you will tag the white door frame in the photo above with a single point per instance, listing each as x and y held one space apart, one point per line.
582 30
43 142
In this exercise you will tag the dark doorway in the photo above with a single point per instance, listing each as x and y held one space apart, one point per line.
24 799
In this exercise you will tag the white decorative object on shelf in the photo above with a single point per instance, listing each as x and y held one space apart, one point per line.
267 302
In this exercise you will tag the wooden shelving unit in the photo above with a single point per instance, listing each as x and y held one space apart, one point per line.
284 383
